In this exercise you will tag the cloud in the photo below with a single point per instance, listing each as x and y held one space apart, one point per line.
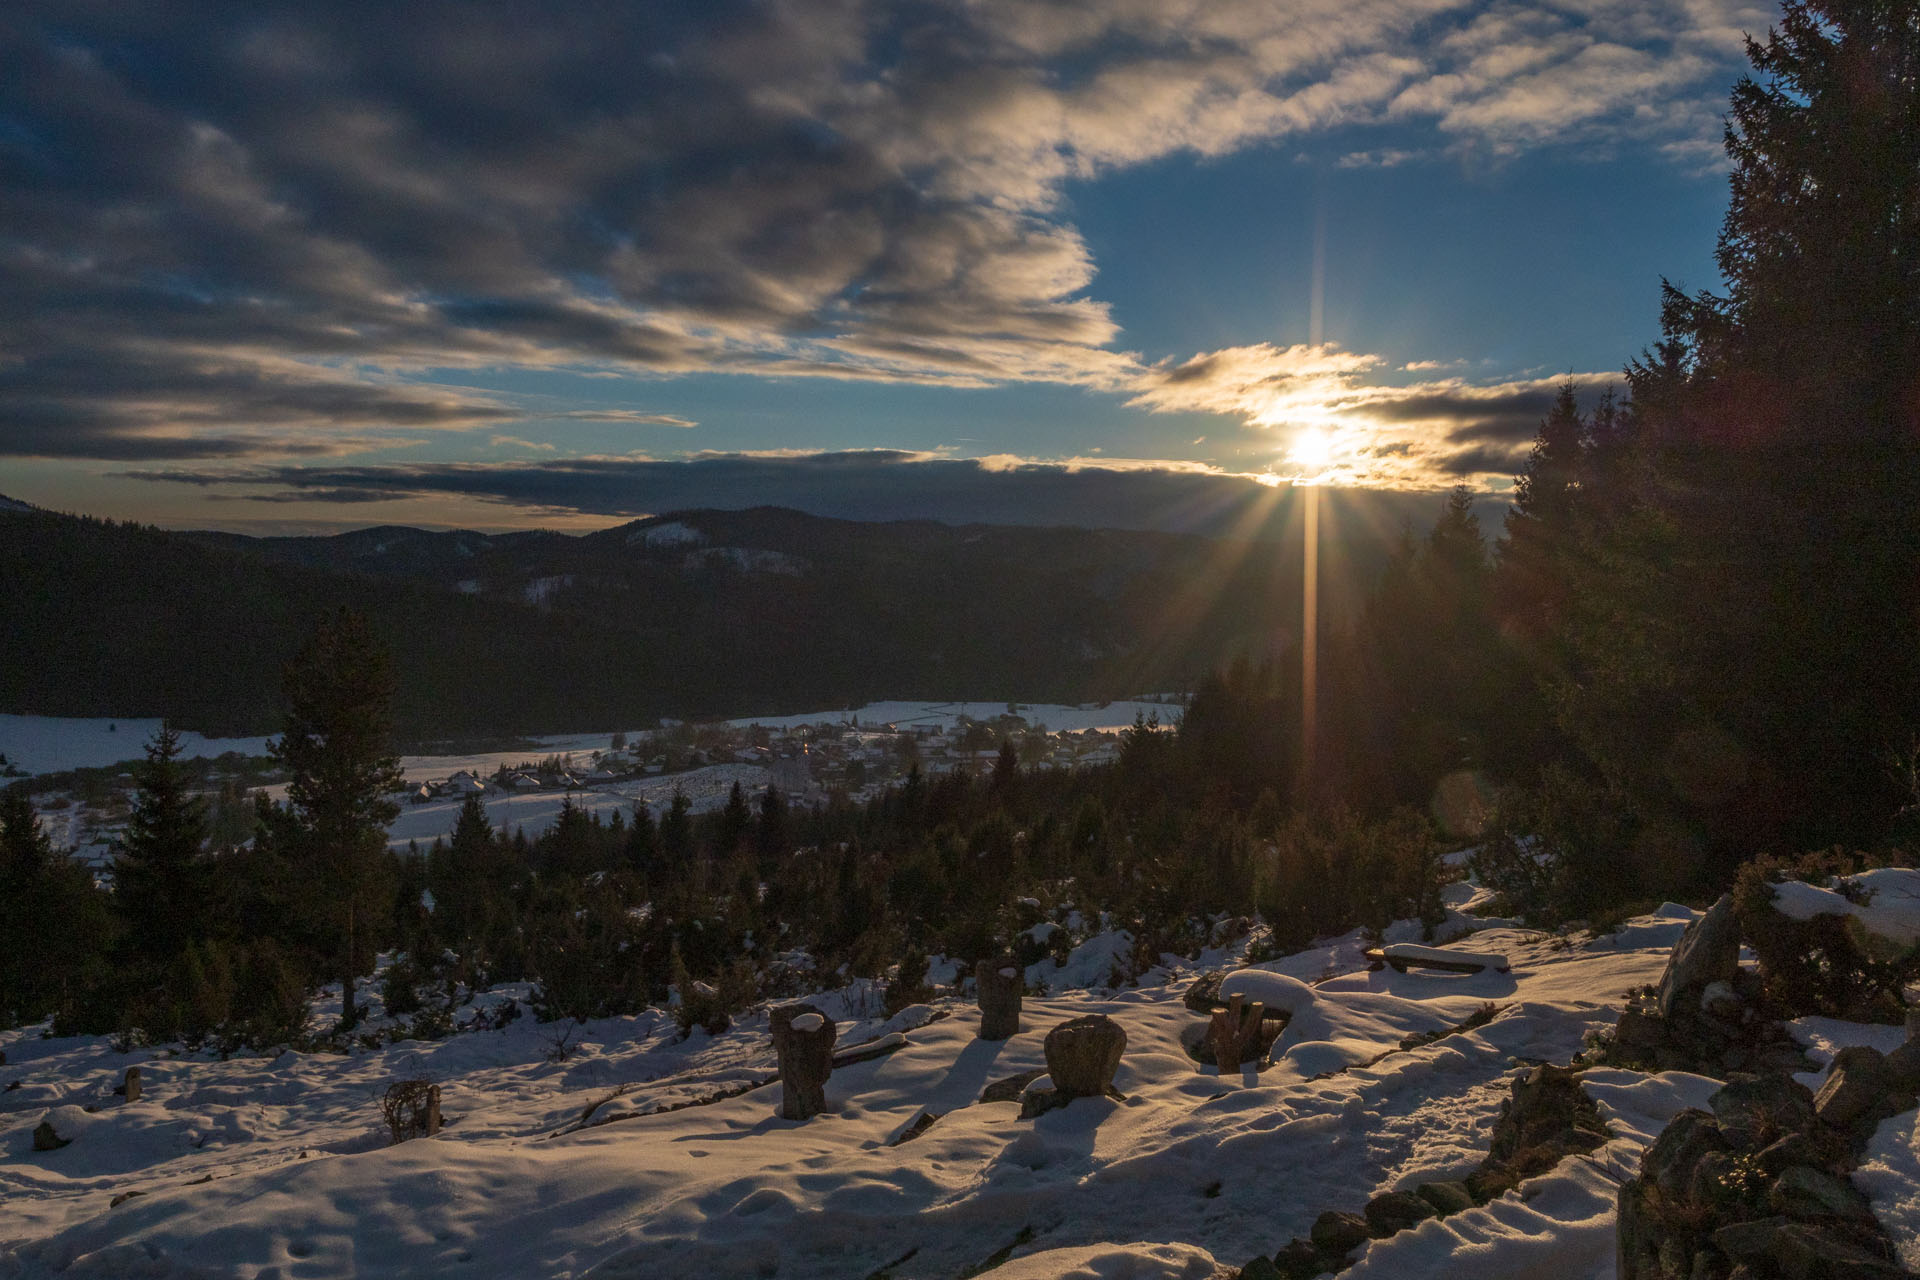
873 484
1414 436
229 230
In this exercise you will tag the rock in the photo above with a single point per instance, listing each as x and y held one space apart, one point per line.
1805 1192
1491 1181
1806 1252
1010 1089
1635 1255
1754 1110
1639 1029
803 1041
1204 994
1299 1261
1395 1212
1795 1148
1708 952
1902 1066
1083 1054
1670 1161
1338 1234
45 1139
999 985
122 1198
1743 1241
1260 1268
1445 1197
129 1086
1853 1087
1041 1097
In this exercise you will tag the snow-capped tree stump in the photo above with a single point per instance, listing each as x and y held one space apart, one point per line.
1083 1054
803 1041
999 983
1235 1033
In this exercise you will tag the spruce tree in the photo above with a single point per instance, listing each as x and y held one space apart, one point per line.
339 695
159 871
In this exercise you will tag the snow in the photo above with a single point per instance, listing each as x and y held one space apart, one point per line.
279 1166
1886 901
534 812
1889 1175
673 533
1414 953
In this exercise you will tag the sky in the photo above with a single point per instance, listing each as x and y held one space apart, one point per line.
297 267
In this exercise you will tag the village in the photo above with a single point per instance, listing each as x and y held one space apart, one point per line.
800 760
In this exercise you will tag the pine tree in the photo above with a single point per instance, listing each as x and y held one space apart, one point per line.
159 871
339 694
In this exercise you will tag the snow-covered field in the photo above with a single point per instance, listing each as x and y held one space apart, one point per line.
279 1167
533 812
48 744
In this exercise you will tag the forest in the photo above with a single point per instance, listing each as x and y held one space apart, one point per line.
1691 643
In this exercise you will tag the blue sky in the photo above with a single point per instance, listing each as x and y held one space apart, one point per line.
310 265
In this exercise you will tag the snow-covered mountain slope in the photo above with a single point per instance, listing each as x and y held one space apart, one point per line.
280 1167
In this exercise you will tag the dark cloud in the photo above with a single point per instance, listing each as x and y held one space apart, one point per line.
863 485
238 220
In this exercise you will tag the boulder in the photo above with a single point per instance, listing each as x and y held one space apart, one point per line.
1260 1268
1805 1192
1445 1197
1635 1254
1802 1251
1299 1260
1745 1241
1708 952
1670 1161
1396 1211
1338 1234
45 1139
1040 1097
1082 1055
1010 1088
1853 1088
803 1042
1902 1067
1754 1110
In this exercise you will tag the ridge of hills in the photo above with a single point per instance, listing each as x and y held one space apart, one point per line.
687 614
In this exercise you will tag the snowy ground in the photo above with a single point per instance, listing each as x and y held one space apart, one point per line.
1057 718
279 1167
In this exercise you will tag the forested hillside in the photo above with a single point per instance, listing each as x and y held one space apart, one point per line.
703 613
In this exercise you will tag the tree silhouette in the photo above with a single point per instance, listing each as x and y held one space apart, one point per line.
339 695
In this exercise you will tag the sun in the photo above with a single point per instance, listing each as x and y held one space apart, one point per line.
1312 448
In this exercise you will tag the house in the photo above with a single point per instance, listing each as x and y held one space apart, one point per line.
462 783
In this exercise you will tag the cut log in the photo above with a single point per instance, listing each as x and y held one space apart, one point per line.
998 981
803 1042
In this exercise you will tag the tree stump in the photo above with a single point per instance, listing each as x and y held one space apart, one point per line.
803 1042
1235 1033
999 984
131 1085
1083 1054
